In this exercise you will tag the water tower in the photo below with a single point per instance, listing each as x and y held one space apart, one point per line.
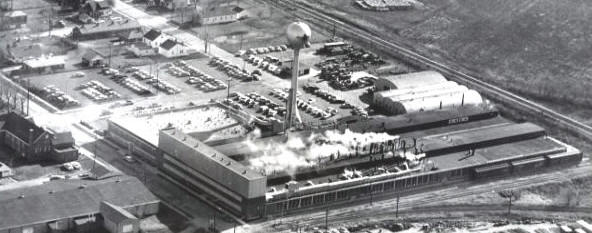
298 34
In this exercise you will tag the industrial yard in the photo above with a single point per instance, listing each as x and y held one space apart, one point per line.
290 116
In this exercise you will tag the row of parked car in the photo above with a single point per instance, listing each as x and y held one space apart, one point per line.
98 92
234 71
201 80
268 63
58 98
262 50
326 95
264 105
306 105
153 81
129 83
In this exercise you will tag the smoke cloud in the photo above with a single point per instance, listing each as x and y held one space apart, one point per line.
317 149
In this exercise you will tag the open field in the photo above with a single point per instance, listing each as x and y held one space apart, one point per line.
533 47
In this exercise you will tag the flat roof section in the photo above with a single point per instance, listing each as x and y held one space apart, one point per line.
516 150
479 137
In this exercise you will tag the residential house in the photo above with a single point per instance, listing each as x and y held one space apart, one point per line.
35 143
172 48
154 38
139 49
96 8
117 219
222 14
131 36
92 59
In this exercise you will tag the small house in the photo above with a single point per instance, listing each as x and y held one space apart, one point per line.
172 48
154 38
92 59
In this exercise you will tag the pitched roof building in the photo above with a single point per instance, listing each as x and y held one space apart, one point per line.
64 201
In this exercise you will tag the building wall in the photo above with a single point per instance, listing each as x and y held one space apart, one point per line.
176 51
410 184
233 180
123 137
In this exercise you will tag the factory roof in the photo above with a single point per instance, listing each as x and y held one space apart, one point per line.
416 79
522 131
494 154
208 152
61 199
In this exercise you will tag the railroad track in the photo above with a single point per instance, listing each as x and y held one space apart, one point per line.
319 18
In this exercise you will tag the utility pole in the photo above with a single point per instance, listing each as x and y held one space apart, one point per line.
334 31
28 94
110 53
397 208
327 219
228 92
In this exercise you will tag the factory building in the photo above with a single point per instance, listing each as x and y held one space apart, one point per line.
423 150
428 103
487 152
410 80
421 91
190 162
381 95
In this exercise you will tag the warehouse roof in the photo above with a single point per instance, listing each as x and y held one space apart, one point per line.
417 79
60 199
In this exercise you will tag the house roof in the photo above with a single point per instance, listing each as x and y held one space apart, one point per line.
152 34
223 10
91 55
59 199
27 51
168 44
62 138
133 34
19 126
